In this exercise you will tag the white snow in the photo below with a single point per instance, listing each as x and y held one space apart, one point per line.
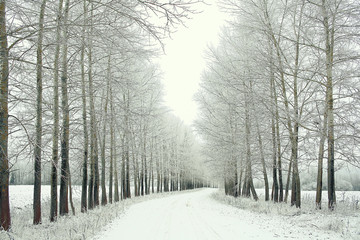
197 215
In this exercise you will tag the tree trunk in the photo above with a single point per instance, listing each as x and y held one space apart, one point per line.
94 176
37 147
275 192
5 219
84 117
123 170
145 169
296 110
64 208
55 148
70 192
112 149
113 155
103 167
329 50
278 141
320 161
263 162
112 141
288 181
248 183
127 147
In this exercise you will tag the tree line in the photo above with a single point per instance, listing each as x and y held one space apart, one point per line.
98 116
279 95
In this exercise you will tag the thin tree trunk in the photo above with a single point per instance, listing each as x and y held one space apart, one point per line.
123 171
112 141
278 141
142 173
94 176
320 161
296 110
55 147
145 168
84 117
5 220
288 181
37 148
127 146
64 208
127 178
329 50
113 155
70 192
263 162
275 191
248 183
103 167
111 170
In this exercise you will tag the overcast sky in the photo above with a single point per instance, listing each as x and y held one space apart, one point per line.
184 61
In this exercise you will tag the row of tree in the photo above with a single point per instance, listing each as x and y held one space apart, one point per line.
98 105
280 94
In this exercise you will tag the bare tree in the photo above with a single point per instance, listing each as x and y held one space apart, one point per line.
55 147
37 148
64 183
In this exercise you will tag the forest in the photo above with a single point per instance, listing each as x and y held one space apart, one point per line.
279 96
82 102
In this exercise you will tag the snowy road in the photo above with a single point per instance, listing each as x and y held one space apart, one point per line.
193 215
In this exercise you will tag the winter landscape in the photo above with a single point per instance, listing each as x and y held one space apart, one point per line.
169 119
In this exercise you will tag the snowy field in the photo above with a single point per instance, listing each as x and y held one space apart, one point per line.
201 214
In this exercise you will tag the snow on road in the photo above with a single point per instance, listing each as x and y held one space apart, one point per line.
195 215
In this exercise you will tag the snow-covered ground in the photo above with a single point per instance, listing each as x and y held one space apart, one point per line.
21 196
200 214
197 215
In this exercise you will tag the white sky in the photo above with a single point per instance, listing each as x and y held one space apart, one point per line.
184 60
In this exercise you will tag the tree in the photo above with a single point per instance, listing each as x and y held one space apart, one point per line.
37 149
5 219
55 147
84 115
64 183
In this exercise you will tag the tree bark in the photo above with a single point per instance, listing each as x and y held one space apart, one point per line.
64 208
123 170
55 147
5 219
329 50
319 182
113 156
103 166
37 148
275 192
94 175
84 116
